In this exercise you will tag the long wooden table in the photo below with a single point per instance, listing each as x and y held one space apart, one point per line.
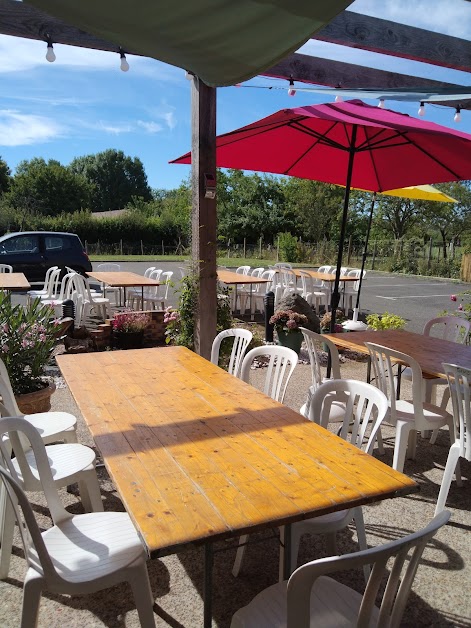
236 279
327 277
430 352
123 279
198 456
14 281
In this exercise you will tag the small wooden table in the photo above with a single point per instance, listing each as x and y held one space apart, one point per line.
14 281
237 279
430 352
124 279
327 277
198 455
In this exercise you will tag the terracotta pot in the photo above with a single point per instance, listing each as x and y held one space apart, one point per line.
292 339
37 401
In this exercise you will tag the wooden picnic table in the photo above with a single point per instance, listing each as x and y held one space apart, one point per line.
428 351
14 281
198 455
327 277
123 279
236 279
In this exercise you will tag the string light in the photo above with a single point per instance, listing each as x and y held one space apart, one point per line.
421 110
50 54
291 91
381 104
124 65
457 117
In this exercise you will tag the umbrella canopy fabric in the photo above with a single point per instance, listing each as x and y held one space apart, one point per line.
221 42
391 149
421 193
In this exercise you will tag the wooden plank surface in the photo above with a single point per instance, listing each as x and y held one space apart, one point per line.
14 281
429 352
228 277
123 279
197 454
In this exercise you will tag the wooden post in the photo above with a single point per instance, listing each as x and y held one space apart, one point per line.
349 254
245 248
374 256
203 217
429 261
163 248
260 249
142 248
121 246
278 249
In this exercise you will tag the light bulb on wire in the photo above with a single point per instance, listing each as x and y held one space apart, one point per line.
457 117
291 90
421 110
50 54
381 104
124 65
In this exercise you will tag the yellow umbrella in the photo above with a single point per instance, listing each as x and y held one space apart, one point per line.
416 192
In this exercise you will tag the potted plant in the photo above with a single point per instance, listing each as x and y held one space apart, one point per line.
27 337
128 329
287 324
378 322
326 320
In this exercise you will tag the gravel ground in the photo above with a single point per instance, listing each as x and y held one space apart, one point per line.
440 595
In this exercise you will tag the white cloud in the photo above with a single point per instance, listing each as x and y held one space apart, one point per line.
150 127
19 129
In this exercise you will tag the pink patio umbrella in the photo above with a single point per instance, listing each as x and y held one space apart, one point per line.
347 143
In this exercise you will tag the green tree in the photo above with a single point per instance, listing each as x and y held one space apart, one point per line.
47 188
5 177
116 178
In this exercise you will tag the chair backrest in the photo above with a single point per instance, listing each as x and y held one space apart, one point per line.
8 405
283 265
53 285
324 269
242 338
6 268
397 589
452 328
108 267
306 282
353 286
365 409
313 341
459 382
148 271
383 360
243 270
165 281
281 364
257 272
47 277
66 290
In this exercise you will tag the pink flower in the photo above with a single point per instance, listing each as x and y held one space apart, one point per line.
291 324
453 297
460 307
5 348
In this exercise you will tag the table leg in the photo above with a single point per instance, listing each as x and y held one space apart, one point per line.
287 552
208 584
252 314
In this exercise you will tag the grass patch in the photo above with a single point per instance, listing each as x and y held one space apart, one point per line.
232 262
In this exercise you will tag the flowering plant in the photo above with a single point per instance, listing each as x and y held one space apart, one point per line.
287 320
128 322
27 338
339 319
464 307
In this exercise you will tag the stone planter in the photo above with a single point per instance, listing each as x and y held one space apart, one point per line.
128 340
37 401
292 339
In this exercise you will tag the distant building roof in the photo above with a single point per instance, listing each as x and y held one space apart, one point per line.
112 213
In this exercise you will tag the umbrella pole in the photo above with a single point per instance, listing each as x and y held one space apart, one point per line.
335 298
363 261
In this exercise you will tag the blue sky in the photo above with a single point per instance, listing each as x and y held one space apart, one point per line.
82 103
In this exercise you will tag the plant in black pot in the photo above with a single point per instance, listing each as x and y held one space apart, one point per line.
128 329
27 338
287 324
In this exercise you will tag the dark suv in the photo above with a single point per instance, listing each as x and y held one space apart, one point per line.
33 252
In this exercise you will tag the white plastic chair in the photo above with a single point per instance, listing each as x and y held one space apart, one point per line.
36 294
90 301
52 426
6 268
286 283
244 292
407 416
312 598
459 383
336 410
80 553
53 286
365 409
65 293
117 291
350 289
135 294
158 294
68 464
259 291
243 270
311 294
242 338
282 362
453 329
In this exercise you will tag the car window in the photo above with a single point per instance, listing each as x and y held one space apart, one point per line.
20 245
57 243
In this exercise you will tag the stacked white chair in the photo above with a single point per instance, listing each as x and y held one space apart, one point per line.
351 288
312 598
42 292
89 301
410 415
260 290
134 295
244 292
52 289
6 268
309 291
79 554
459 382
158 294
66 290
241 340
68 463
